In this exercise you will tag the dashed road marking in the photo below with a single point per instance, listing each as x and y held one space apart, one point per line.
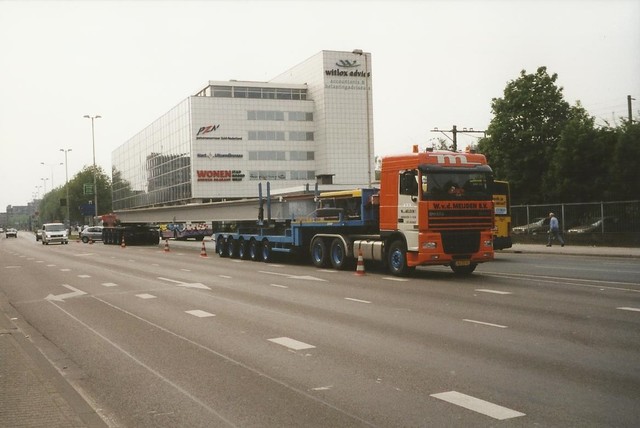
356 300
629 309
200 314
146 296
291 343
485 323
391 278
478 405
109 284
278 285
484 290
84 276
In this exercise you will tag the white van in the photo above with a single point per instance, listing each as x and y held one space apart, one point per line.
54 232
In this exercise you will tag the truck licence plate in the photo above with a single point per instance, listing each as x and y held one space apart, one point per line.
463 263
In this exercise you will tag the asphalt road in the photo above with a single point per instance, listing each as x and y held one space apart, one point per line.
163 339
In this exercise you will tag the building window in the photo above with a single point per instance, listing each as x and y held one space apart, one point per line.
300 116
265 115
267 155
266 135
301 156
300 136
222 91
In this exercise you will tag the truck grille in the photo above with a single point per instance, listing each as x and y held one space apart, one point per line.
460 219
461 242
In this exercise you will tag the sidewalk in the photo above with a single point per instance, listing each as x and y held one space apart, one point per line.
32 392
578 250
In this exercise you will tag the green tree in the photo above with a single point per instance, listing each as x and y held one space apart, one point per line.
624 168
524 134
51 209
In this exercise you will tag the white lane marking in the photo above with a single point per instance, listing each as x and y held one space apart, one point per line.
225 276
51 265
563 280
146 296
39 261
356 300
291 343
84 276
65 270
60 297
185 270
478 405
307 277
200 314
484 290
84 254
485 323
12 267
322 388
629 309
278 285
186 284
391 278
109 284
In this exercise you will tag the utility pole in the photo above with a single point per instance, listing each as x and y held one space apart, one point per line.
454 131
629 108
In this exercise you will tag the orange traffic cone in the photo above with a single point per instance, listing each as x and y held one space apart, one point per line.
360 265
203 252
166 246
122 244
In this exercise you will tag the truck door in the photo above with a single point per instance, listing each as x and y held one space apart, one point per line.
408 207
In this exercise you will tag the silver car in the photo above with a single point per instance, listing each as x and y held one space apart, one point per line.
91 234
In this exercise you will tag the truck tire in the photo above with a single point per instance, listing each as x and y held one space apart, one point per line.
221 248
254 250
397 259
338 254
266 251
463 270
243 249
232 248
319 255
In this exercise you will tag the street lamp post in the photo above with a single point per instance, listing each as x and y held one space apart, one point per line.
51 165
95 172
44 183
66 185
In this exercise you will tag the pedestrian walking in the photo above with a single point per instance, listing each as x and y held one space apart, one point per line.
554 230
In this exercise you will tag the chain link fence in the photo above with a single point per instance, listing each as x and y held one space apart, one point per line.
596 223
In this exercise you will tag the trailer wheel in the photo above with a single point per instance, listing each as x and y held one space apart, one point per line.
221 248
463 270
232 248
266 251
338 254
319 253
243 250
254 250
397 259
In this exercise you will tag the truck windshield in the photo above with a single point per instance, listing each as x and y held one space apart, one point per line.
449 185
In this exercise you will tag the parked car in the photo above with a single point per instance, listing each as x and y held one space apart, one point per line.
595 225
11 232
54 232
539 225
91 234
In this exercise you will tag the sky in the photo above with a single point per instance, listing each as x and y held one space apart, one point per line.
435 64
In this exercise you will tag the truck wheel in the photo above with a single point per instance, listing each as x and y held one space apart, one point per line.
463 270
254 250
221 248
232 248
266 251
397 259
319 253
338 254
243 251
